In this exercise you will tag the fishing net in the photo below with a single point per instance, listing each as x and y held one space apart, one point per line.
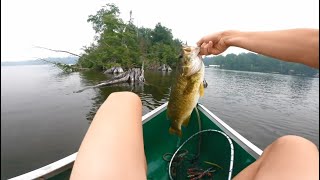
195 160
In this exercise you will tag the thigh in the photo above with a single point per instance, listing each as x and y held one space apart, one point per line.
113 146
289 157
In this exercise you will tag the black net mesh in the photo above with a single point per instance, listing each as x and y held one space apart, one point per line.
197 160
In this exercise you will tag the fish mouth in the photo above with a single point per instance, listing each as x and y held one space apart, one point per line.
196 51
196 61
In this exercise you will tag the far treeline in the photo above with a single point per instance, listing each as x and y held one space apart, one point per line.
120 43
259 63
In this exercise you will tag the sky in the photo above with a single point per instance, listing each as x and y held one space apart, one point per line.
62 24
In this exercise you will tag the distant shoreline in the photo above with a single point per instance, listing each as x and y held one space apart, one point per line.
64 60
221 69
299 75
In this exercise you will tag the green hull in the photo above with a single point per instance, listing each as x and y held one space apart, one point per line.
158 141
214 148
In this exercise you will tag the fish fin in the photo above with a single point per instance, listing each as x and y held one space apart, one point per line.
186 121
189 87
201 89
175 131
184 71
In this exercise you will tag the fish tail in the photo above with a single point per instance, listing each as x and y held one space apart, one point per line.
175 131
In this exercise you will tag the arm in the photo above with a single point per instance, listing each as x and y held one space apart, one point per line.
293 45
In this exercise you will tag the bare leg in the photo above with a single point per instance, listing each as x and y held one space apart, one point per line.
289 157
113 146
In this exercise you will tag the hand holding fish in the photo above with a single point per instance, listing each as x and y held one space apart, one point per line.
212 44
299 45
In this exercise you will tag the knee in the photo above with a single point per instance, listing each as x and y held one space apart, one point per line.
295 141
124 95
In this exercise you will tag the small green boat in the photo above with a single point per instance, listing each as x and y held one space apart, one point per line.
216 145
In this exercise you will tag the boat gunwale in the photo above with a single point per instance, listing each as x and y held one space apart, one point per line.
252 149
65 163
49 170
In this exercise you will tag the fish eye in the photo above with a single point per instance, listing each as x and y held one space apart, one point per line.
180 56
187 49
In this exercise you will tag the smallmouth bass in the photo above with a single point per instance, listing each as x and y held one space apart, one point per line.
187 89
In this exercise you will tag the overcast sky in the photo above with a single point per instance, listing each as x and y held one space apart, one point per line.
62 24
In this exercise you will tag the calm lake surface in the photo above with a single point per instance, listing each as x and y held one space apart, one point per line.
42 120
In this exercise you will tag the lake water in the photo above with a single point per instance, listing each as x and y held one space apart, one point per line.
42 120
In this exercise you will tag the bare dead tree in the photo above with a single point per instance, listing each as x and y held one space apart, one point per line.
55 50
133 75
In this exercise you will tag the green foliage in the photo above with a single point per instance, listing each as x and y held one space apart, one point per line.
104 17
161 34
259 63
120 43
